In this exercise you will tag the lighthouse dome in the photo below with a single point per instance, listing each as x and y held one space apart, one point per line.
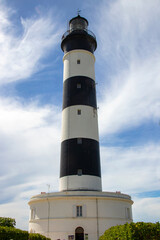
78 23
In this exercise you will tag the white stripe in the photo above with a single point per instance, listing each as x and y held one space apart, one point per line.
85 68
83 182
80 126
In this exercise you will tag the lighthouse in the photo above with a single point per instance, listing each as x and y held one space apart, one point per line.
80 158
80 210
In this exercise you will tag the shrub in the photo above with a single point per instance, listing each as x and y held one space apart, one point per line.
133 231
8 233
37 236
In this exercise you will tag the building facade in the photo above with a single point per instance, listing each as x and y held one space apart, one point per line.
60 215
80 210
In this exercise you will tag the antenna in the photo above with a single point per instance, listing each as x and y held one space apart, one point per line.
48 185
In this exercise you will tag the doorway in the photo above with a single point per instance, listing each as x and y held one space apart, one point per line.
79 233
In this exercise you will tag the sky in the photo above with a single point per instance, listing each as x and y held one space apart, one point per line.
128 95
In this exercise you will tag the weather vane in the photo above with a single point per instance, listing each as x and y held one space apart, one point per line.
78 11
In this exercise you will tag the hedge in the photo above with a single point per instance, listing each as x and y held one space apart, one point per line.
37 236
133 231
8 233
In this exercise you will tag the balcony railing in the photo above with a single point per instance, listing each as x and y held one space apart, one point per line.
78 31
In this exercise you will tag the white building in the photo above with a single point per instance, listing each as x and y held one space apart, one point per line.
80 210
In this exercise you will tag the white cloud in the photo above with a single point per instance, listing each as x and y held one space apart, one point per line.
21 52
146 209
132 169
29 147
19 209
129 42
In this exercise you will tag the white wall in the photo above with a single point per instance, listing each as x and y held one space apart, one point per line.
83 182
85 68
81 126
62 222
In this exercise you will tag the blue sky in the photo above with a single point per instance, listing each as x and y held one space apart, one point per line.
128 92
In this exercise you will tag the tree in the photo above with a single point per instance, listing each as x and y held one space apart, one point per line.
7 222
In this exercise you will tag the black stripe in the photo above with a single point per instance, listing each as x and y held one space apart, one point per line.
79 40
85 95
83 156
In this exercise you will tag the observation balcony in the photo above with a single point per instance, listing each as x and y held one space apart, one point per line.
78 31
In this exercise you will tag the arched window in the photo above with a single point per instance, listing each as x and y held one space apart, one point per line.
79 233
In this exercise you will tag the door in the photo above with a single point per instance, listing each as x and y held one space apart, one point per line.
79 233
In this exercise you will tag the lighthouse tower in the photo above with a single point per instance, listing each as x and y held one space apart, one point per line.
80 159
80 210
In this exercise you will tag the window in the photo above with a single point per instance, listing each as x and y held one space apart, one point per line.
78 61
70 237
78 85
128 215
79 211
79 111
79 172
79 140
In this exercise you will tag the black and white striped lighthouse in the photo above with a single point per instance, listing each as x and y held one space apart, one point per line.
80 158
80 210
